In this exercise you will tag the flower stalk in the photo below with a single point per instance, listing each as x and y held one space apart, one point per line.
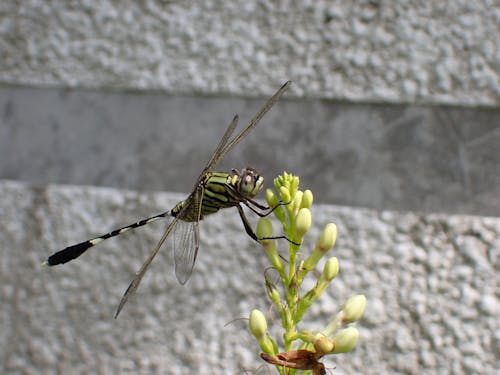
302 348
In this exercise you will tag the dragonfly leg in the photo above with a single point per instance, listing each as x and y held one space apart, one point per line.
250 202
252 234
246 224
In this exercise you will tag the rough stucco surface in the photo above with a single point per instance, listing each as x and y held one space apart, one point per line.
436 52
431 282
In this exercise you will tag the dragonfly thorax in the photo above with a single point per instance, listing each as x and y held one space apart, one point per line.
219 190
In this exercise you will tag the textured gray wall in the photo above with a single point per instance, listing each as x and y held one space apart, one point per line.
446 52
431 280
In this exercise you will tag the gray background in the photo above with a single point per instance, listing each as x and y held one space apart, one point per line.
394 107
403 157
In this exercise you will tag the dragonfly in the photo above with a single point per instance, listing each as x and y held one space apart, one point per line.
212 191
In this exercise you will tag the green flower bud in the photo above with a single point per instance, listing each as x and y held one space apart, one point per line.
354 308
324 244
303 222
268 345
278 182
272 291
297 200
274 203
258 324
271 198
345 340
285 194
307 199
264 228
328 238
331 269
294 184
282 181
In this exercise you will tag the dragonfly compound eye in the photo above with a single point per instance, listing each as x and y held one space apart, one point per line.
250 183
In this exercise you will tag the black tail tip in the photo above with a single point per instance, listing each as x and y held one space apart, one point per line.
48 263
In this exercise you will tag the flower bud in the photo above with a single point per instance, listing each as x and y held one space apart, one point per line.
271 198
258 324
264 228
278 182
303 222
294 183
297 200
268 345
328 238
272 291
307 199
345 340
331 269
275 205
285 194
354 308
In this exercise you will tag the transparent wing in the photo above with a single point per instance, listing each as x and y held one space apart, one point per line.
187 236
216 155
140 274
224 147
186 244
253 122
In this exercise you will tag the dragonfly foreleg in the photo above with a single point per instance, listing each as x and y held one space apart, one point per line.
246 224
252 234
250 202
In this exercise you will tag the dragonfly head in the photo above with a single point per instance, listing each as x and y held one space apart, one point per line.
248 182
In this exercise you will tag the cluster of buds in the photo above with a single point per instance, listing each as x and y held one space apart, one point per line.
292 208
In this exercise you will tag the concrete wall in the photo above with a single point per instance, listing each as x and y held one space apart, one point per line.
396 157
431 282
435 52
397 147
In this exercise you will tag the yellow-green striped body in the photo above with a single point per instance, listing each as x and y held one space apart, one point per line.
219 190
